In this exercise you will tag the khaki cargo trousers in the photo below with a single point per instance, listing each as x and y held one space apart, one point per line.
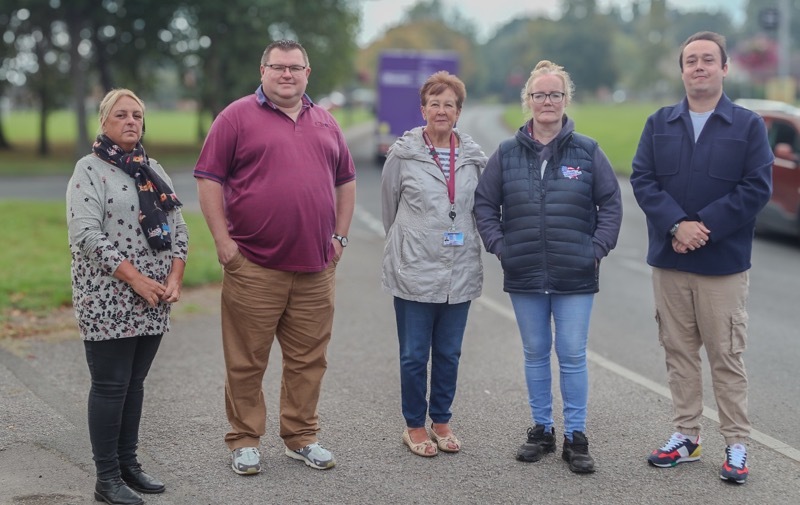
695 311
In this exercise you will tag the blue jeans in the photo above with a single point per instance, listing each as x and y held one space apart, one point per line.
435 331
571 314
118 368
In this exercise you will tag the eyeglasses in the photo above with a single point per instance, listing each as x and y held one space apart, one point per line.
555 97
280 69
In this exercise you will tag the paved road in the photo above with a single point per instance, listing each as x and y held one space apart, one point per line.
45 456
54 187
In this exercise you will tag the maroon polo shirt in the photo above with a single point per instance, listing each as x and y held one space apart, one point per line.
278 177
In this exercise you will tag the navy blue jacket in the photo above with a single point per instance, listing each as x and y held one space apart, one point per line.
550 229
724 179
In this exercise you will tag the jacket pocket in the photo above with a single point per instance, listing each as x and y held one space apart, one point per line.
727 159
667 153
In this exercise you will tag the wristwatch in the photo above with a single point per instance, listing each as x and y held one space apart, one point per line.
674 229
341 238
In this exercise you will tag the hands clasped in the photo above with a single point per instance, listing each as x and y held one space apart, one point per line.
154 292
691 235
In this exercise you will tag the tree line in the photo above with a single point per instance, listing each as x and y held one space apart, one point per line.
59 52
56 53
633 49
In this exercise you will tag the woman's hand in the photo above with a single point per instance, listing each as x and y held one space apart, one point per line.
144 286
174 282
172 293
149 289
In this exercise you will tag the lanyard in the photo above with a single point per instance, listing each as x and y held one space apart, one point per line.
451 181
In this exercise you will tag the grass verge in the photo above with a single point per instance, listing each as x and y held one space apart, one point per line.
173 138
616 127
36 286
36 259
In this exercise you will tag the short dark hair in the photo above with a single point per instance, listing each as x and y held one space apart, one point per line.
284 45
716 38
437 83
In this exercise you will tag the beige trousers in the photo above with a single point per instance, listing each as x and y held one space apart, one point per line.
701 310
259 304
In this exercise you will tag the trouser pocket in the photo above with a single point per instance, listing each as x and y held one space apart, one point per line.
738 331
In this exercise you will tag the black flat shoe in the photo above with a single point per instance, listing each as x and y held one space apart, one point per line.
116 492
136 478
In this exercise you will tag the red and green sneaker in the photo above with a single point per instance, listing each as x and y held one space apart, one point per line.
734 469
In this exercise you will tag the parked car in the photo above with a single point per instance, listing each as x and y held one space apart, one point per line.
782 213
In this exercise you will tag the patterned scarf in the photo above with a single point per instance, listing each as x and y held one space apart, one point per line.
156 198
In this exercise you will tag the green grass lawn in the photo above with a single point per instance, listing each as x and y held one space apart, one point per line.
35 260
616 127
171 138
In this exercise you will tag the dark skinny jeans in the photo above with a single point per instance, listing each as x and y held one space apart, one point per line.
118 368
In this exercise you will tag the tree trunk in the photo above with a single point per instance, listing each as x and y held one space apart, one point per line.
75 24
40 86
101 60
201 132
4 144
44 111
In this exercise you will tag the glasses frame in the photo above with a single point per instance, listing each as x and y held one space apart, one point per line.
280 69
545 96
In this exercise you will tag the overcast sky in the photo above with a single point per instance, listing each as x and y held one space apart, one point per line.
489 15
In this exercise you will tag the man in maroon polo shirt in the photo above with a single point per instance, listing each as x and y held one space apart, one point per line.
276 184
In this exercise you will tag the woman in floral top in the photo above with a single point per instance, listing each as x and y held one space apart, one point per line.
129 244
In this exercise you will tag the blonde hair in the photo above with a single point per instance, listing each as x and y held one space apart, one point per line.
110 100
546 67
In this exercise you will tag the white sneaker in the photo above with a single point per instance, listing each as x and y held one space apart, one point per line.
246 461
313 455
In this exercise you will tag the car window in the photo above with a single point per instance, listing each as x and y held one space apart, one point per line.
783 132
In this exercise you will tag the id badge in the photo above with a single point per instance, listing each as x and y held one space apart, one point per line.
453 238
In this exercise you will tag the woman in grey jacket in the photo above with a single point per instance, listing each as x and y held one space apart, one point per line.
432 258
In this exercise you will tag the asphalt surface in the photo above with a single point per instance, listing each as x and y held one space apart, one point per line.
45 457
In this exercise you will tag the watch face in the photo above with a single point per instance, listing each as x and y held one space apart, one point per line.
343 240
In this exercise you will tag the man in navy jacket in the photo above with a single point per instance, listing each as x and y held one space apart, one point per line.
701 174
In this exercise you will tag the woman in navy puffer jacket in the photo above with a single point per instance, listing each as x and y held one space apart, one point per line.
549 206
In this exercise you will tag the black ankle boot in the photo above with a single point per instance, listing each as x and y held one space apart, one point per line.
576 453
136 478
116 492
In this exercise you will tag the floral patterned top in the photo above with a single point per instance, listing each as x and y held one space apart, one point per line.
103 226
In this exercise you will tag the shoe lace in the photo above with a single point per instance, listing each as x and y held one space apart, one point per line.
318 451
248 452
537 433
737 455
674 441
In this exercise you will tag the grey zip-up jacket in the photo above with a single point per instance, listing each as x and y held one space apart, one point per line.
417 266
